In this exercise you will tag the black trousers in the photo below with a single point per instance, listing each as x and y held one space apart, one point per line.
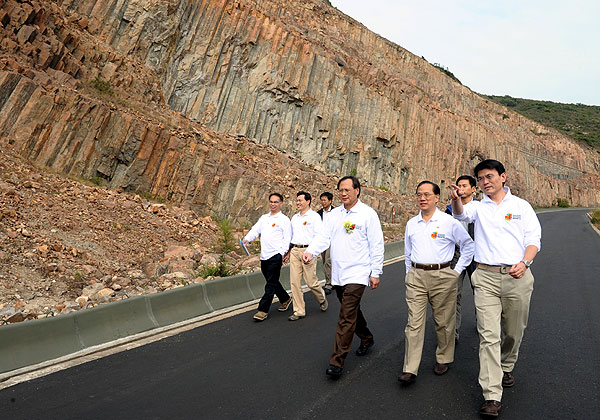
271 269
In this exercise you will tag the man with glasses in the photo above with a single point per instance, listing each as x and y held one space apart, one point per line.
275 233
507 239
429 243
353 233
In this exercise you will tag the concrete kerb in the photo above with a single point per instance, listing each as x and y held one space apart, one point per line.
41 341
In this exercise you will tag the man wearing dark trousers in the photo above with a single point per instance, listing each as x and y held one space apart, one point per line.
275 231
327 203
507 239
467 186
353 233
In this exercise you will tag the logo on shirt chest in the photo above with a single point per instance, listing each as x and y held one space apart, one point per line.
274 224
304 224
437 235
511 216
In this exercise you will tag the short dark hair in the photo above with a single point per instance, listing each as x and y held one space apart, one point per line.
489 164
327 194
469 178
355 182
436 187
276 195
306 195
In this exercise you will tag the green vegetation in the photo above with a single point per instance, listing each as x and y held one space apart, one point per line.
562 203
381 187
226 245
595 217
578 121
445 70
151 197
102 86
353 172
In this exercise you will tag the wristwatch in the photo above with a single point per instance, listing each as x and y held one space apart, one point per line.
527 262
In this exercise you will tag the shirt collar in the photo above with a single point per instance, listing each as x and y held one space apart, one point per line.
434 218
507 197
354 209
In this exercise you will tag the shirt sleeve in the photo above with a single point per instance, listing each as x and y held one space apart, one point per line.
469 213
287 235
322 239
376 244
255 231
466 245
532 228
407 248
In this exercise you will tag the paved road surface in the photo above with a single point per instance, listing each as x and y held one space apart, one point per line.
238 369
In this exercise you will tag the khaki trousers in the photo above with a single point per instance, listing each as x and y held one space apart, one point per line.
502 305
297 270
327 268
438 287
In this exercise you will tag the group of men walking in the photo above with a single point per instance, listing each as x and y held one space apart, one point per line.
492 241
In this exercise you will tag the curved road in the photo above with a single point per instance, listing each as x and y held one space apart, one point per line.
238 369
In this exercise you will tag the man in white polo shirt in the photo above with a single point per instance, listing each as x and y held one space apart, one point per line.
275 232
353 234
507 239
429 243
305 225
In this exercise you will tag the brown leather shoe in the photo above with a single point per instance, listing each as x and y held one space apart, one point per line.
407 378
508 380
490 408
440 368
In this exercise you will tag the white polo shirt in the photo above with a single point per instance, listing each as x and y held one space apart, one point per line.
503 231
433 242
275 233
355 240
305 227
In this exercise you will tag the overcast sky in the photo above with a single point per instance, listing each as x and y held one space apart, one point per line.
534 49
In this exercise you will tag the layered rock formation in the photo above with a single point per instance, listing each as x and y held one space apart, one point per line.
299 76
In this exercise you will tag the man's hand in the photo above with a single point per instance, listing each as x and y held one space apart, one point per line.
518 270
245 241
307 258
374 282
286 258
455 192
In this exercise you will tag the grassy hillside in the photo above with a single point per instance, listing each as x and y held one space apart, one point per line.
581 122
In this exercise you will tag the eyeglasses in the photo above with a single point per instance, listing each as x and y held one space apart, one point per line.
345 190
274 202
426 195
489 177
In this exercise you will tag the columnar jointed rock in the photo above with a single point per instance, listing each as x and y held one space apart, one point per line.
300 76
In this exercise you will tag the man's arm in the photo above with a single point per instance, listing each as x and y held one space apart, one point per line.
465 244
287 235
254 232
376 249
532 240
407 248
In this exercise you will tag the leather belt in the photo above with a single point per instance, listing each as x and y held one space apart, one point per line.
502 269
299 246
431 266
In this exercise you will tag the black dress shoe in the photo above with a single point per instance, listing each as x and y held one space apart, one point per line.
334 372
440 368
407 378
364 349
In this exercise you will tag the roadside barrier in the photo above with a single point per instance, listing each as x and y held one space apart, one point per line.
41 340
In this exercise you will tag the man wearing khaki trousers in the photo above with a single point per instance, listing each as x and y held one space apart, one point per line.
429 243
305 225
507 239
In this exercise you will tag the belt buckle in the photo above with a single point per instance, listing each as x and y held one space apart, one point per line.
504 269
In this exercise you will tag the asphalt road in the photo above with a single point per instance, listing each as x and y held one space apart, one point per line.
238 369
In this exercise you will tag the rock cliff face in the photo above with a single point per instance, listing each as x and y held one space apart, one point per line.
298 76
